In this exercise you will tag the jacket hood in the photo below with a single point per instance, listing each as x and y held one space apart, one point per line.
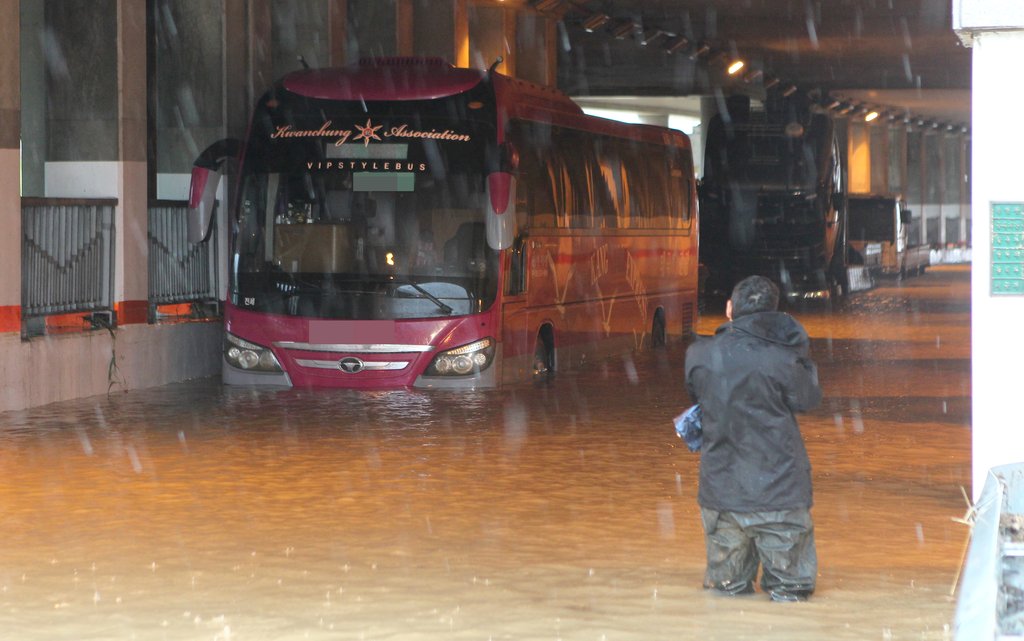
774 327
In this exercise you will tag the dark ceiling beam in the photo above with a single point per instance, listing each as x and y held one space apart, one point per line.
817 46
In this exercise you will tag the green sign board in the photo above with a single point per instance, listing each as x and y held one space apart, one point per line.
1007 249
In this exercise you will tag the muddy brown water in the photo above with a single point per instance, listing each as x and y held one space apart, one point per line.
196 511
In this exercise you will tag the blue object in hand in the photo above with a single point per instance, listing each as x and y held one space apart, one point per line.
689 429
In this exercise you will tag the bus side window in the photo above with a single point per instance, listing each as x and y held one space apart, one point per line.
534 183
614 188
575 154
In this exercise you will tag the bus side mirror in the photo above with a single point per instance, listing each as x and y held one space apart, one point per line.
202 192
202 199
501 219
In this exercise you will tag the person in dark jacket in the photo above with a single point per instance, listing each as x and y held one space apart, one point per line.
750 380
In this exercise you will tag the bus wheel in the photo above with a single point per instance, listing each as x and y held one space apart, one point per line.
544 356
658 334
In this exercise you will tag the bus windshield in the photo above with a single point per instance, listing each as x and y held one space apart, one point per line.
361 210
871 219
793 157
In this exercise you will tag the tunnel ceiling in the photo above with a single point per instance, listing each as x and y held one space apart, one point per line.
896 54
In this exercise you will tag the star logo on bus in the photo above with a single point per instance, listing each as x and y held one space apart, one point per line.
367 133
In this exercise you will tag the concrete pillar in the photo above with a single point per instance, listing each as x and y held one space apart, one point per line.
858 157
261 63
434 24
404 30
372 29
487 36
299 28
965 189
33 99
995 31
916 173
131 285
535 48
337 16
461 33
10 195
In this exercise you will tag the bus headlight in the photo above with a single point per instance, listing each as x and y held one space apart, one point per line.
249 356
468 359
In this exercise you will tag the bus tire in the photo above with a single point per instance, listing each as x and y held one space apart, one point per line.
659 335
544 356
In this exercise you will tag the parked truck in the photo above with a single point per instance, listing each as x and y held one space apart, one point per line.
878 239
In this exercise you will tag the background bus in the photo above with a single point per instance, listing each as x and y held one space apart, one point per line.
406 223
878 238
772 201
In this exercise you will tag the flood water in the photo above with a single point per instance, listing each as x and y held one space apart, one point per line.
196 511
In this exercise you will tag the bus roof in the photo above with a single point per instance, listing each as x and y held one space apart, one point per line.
530 101
419 78
384 79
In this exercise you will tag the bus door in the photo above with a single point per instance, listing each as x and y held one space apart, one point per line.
515 317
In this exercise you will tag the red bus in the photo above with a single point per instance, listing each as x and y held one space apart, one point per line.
403 222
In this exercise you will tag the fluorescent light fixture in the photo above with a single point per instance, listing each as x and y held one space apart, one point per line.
623 29
547 5
677 43
735 67
652 36
871 115
595 22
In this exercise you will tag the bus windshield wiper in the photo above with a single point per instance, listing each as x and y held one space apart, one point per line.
433 299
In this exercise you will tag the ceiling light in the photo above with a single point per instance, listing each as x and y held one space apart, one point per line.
871 115
789 91
701 51
623 29
735 67
595 22
753 75
547 5
652 36
677 43
771 82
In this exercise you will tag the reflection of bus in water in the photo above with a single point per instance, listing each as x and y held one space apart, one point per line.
404 222
771 200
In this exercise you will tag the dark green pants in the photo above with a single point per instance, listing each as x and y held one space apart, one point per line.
780 542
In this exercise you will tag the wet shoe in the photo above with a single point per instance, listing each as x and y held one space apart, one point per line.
732 588
789 596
